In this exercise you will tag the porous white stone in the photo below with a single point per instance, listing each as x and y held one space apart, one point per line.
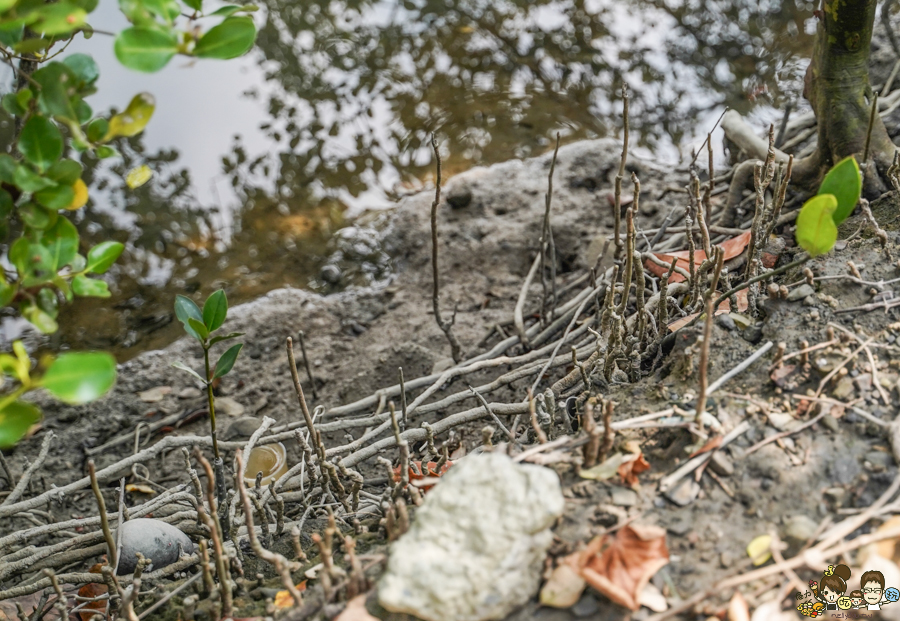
476 548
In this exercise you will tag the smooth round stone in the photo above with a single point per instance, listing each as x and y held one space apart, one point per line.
155 539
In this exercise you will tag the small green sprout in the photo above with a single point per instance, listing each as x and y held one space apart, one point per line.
838 195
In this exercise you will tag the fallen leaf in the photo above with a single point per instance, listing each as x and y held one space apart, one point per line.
758 549
283 598
92 590
154 394
419 478
725 307
605 470
733 247
712 443
564 587
356 610
633 467
620 566
738 610
142 489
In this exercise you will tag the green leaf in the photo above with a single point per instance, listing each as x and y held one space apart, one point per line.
87 5
6 204
225 363
185 309
32 46
9 37
97 129
133 119
215 310
199 328
101 257
37 217
145 50
29 181
106 151
48 302
232 38
38 318
166 9
184 367
41 142
56 79
84 67
82 110
62 241
11 104
34 262
90 287
219 339
816 231
845 183
64 287
65 172
80 377
6 5
197 5
78 263
226 11
59 18
57 197
15 421
7 168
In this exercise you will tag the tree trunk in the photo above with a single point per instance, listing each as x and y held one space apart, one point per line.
837 86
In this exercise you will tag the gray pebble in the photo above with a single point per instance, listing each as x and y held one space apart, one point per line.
622 497
880 459
721 464
799 527
331 274
725 321
587 606
752 334
155 539
801 292
459 196
685 493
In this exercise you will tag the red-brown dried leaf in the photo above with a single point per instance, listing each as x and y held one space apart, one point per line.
619 566
733 247
712 443
417 473
629 470
92 590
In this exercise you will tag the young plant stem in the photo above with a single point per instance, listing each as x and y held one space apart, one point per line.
218 461
704 360
620 247
104 522
445 326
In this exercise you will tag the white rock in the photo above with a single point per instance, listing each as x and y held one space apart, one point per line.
476 548
156 540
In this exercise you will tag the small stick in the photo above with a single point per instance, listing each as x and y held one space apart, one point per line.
22 485
208 584
112 559
629 262
591 450
608 431
299 389
518 319
212 523
312 380
445 326
541 436
403 399
704 361
487 407
61 599
281 564
621 175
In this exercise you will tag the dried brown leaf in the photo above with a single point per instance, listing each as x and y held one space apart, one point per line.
629 470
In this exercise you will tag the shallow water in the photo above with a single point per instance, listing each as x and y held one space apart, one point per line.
259 161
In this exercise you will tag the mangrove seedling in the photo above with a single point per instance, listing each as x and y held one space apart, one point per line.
200 325
837 198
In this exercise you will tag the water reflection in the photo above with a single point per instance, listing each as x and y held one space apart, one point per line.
341 98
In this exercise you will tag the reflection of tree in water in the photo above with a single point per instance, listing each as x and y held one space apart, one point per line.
360 85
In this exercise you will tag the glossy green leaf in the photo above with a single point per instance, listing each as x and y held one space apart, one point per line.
57 197
90 287
101 257
78 263
15 421
215 309
7 168
184 367
12 34
145 50
34 262
7 292
62 241
6 204
11 104
226 11
87 5
168 10
41 142
82 110
55 79
226 337
197 5
199 328
106 151
185 309
32 46
845 183
65 172
36 217
48 302
59 18
224 364
133 119
816 231
232 38
29 181
80 377
6 5
97 129
38 318
84 67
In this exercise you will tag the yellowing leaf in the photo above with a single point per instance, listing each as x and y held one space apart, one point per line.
141 489
133 119
283 598
81 196
816 231
758 549
137 177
